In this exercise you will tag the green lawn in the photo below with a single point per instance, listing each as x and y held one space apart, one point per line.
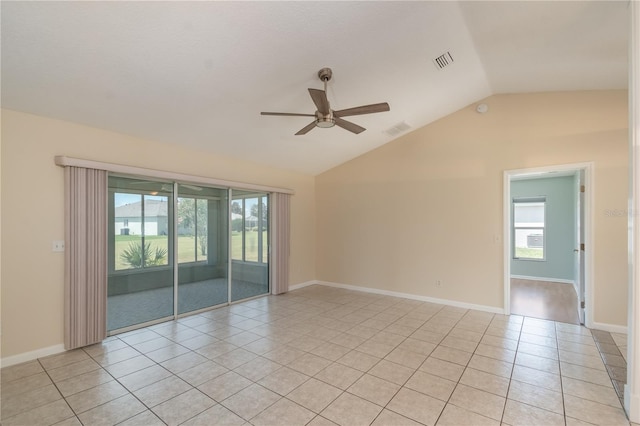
251 251
187 247
529 253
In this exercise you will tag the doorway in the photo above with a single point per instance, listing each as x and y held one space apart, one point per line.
172 249
546 258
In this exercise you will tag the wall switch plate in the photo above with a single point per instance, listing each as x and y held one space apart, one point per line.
58 245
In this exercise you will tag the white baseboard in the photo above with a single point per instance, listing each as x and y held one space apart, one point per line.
554 280
631 404
447 302
611 328
302 285
30 356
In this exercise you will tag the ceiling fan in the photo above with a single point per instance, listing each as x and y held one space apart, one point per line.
326 117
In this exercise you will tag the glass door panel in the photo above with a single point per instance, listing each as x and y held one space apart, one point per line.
140 279
202 247
249 244
169 249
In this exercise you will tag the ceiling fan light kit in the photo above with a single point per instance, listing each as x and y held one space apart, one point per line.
325 121
325 117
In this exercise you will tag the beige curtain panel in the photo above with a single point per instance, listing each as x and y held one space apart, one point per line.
85 320
279 242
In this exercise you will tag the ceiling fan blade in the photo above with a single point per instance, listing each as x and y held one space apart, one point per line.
347 125
365 109
306 128
292 114
320 99
192 187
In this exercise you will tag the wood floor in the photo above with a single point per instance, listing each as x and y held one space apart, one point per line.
544 300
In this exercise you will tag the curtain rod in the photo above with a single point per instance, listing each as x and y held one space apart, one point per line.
64 161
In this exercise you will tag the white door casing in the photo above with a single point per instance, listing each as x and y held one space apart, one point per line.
586 170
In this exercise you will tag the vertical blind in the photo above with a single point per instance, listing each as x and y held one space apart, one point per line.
85 319
280 243
86 264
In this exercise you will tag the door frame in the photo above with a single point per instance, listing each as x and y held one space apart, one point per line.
508 176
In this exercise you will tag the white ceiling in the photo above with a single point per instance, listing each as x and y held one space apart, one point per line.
199 73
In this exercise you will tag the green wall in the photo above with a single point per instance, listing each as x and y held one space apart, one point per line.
560 227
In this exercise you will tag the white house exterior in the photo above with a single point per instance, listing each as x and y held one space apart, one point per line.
128 218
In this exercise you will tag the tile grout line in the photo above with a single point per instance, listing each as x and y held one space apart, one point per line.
329 325
381 359
121 384
310 377
172 374
57 389
333 362
447 402
229 370
564 408
596 337
513 367
417 369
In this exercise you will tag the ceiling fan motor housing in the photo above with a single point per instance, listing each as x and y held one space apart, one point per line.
325 120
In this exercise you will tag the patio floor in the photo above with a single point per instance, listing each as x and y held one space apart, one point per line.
125 310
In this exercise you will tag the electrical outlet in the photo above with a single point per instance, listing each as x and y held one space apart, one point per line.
58 245
438 283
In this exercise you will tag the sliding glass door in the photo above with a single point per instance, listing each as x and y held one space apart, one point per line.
249 244
202 247
169 248
140 280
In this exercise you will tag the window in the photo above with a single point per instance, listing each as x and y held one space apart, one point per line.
528 228
193 219
169 249
249 224
139 212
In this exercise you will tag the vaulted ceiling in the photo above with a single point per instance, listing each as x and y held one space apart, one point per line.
199 73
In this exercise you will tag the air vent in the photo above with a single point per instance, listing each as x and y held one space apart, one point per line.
397 129
443 60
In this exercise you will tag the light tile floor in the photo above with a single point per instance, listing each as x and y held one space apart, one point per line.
323 356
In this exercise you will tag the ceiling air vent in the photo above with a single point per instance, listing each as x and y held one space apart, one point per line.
443 60
397 129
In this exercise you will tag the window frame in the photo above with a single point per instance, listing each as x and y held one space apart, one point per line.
514 227
111 247
262 225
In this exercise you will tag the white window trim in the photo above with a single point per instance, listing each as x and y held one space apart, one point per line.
529 200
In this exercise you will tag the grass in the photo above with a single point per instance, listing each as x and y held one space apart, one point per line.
251 250
187 247
529 253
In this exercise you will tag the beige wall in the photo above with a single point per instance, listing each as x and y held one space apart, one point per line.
32 213
425 207
428 206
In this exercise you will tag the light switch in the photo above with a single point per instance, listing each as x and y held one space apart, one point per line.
58 245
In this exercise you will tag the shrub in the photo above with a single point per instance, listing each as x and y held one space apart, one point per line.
139 256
